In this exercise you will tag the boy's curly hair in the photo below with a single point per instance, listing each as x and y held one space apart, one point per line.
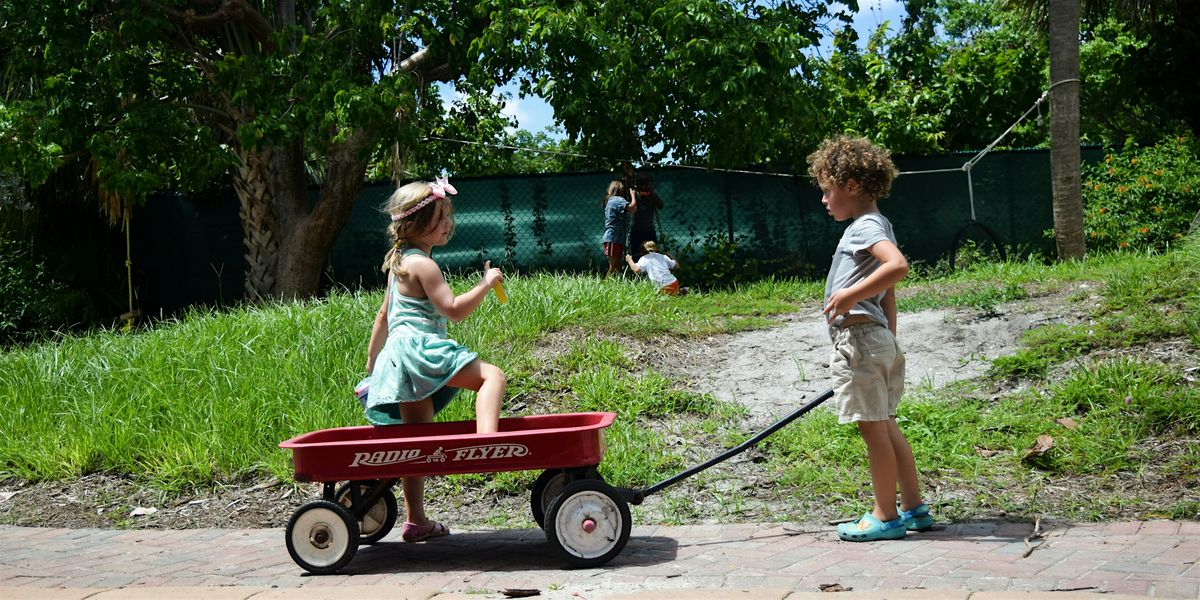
842 158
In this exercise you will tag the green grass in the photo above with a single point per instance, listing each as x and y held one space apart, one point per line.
205 399
208 397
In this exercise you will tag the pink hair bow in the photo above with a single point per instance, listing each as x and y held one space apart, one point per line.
440 187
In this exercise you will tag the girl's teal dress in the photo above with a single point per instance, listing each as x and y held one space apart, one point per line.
417 360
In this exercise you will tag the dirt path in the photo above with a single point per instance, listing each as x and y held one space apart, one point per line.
772 371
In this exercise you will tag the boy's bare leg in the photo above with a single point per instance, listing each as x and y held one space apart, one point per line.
488 382
906 468
882 457
414 487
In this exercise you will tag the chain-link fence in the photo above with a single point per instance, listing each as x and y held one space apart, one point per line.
553 223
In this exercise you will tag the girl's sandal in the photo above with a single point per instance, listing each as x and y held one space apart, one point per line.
419 533
868 529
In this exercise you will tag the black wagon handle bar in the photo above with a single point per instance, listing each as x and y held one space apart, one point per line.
636 496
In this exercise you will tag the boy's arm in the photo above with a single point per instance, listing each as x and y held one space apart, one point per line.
892 269
632 265
889 307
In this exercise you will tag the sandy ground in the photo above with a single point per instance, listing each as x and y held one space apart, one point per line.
773 371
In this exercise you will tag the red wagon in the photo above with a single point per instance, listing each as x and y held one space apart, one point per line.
585 520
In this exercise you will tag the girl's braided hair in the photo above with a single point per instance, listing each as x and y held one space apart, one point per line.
842 158
401 231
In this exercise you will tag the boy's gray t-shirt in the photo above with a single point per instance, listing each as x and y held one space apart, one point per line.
853 263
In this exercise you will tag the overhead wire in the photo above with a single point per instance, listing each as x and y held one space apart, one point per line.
966 166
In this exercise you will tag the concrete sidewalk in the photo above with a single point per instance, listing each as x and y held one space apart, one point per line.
964 561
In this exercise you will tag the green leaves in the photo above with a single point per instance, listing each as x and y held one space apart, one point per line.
1142 198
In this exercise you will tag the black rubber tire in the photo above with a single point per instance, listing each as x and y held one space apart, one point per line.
544 489
588 500
980 242
379 519
322 537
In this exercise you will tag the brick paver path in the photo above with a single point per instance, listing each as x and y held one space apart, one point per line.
1155 559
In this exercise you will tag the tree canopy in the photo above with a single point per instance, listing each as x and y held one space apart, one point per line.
152 95
170 94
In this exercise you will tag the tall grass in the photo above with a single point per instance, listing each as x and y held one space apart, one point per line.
207 397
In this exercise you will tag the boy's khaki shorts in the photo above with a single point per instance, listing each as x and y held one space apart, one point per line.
867 366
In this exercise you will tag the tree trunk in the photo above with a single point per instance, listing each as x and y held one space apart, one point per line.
1064 129
287 236
255 203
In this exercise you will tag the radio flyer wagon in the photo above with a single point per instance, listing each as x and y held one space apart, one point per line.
586 521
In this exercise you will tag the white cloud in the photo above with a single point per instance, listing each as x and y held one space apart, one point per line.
517 108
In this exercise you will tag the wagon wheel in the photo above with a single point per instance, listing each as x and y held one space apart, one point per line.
379 519
322 537
550 483
588 522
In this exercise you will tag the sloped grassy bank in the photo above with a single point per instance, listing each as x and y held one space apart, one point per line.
197 407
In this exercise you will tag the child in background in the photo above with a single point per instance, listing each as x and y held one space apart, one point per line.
415 370
641 225
860 307
616 222
657 267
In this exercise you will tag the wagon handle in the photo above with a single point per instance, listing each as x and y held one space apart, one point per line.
637 496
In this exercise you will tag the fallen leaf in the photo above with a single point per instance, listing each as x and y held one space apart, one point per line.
986 453
1043 445
1067 422
142 511
520 593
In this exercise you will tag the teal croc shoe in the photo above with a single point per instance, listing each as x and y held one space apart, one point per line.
869 529
917 519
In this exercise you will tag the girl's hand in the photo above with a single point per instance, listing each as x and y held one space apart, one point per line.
491 275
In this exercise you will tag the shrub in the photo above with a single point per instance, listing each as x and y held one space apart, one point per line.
1142 198
32 303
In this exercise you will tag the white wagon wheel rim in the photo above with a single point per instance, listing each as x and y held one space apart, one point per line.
574 516
374 517
319 537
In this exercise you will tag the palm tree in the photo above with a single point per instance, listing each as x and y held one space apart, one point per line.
1178 20
1064 129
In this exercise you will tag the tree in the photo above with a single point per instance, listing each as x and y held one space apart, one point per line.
952 77
1064 129
159 94
1124 53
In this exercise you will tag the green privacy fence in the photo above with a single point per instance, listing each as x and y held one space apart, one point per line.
188 249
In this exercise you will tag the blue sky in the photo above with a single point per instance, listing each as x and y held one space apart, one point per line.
533 114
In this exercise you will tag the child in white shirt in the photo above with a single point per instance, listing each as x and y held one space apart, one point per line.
657 267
